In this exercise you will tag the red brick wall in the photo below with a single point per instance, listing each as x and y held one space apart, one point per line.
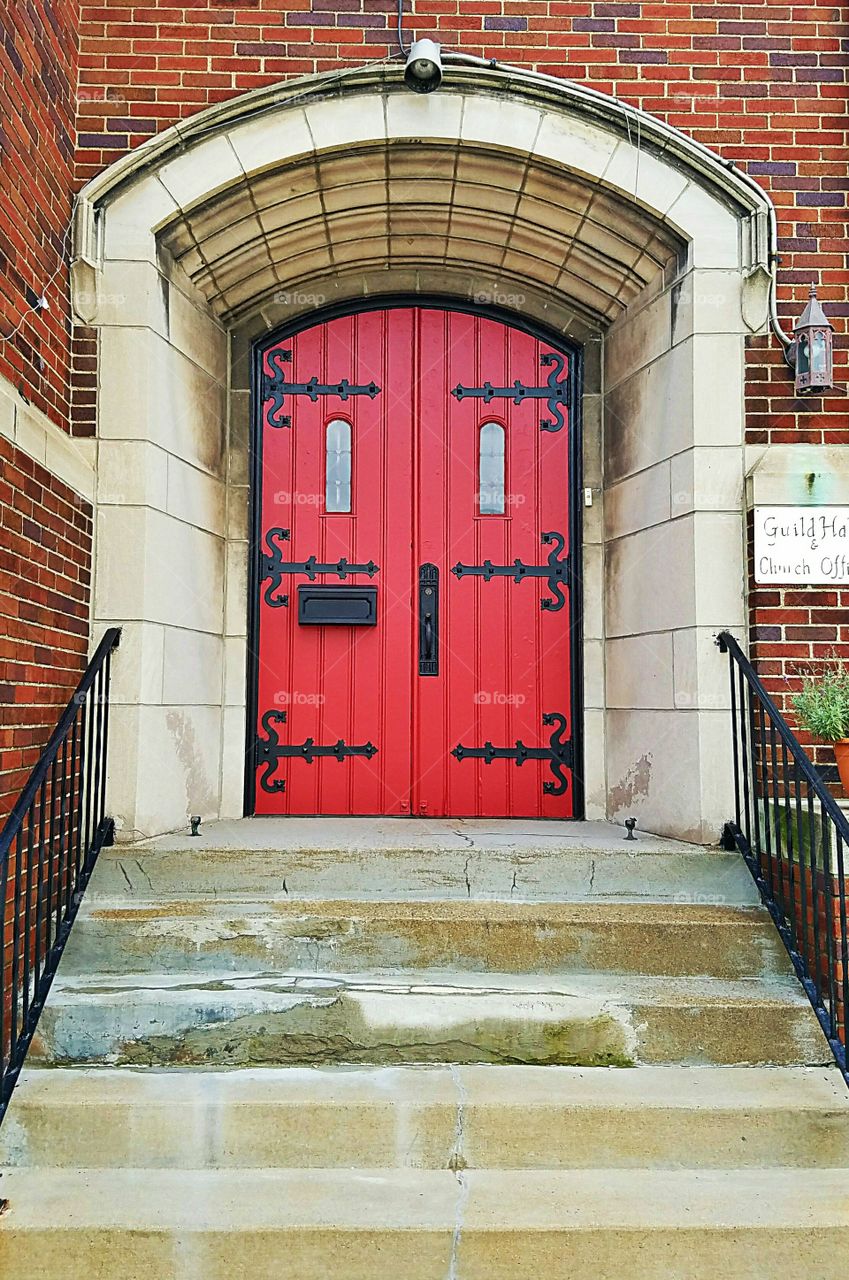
38 78
45 556
45 534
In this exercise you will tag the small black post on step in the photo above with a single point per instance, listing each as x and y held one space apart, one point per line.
630 823
727 840
194 823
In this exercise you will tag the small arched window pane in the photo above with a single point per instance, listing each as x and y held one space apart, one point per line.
337 489
491 472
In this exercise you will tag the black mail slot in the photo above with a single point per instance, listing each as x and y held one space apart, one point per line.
320 606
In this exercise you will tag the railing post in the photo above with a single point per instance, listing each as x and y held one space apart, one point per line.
48 847
797 896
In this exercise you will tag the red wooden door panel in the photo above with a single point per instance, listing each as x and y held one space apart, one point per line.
347 721
504 664
338 684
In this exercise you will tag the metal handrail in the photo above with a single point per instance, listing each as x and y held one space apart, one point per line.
48 848
792 835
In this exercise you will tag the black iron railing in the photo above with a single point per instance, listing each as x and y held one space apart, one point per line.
48 848
793 836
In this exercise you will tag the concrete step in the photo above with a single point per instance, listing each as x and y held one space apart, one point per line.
409 1117
355 936
384 1019
424 1224
264 858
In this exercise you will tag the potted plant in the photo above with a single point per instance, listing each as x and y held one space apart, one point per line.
822 706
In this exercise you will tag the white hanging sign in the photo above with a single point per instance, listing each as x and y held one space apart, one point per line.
802 545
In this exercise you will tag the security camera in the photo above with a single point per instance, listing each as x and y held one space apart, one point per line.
423 72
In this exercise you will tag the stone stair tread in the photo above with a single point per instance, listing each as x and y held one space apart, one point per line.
306 858
355 935
138 910
210 1200
389 1018
815 1089
602 988
409 1117
320 836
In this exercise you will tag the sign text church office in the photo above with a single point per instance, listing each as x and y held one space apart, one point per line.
645 265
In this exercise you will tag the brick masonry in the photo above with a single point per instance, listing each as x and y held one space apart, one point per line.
44 608
38 80
764 84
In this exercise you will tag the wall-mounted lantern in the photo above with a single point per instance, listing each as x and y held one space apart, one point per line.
810 353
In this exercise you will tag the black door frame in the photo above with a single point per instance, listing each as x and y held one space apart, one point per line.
424 302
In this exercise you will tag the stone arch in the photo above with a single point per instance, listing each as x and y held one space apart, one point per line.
571 210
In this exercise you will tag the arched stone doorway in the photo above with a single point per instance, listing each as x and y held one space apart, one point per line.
602 225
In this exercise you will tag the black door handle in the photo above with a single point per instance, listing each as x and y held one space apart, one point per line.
428 620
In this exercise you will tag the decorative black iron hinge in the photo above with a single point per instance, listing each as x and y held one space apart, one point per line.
555 570
555 392
558 753
269 750
273 567
276 387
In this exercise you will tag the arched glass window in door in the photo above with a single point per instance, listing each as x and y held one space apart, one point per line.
491 470
337 485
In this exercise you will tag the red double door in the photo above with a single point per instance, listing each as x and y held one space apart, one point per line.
413 576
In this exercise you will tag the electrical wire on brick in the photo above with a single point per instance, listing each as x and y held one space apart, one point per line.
42 303
405 49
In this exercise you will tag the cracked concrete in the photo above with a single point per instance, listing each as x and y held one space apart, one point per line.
458 1165
402 1052
589 1019
356 935
303 858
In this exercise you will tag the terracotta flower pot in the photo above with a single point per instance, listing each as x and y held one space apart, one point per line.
841 755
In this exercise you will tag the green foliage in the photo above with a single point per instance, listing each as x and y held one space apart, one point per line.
823 704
